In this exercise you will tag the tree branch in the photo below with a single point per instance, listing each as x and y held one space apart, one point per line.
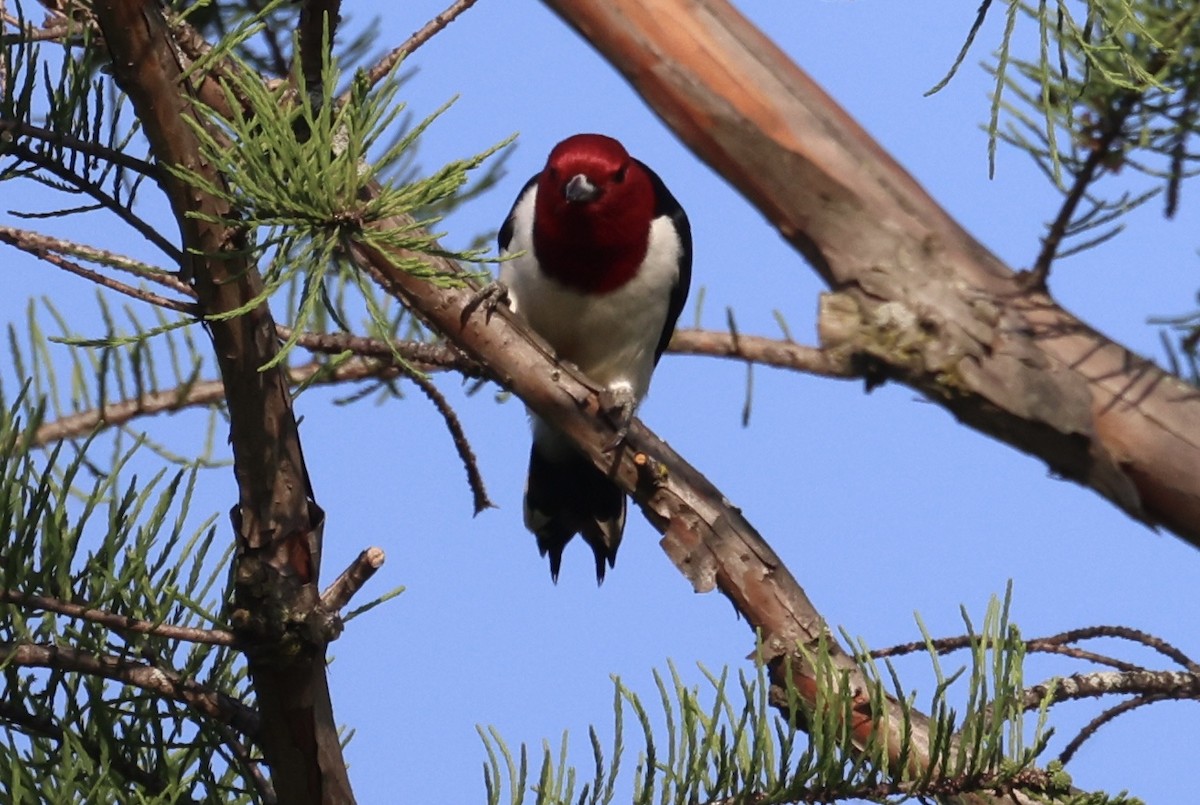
427 32
764 351
105 200
704 534
916 293
16 128
160 682
118 623
278 524
352 579
45 726
1164 684
48 249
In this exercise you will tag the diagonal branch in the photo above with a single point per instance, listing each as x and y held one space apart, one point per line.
48 249
705 535
106 200
420 37
118 623
159 681
915 293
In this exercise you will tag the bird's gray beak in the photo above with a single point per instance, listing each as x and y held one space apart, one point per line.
580 188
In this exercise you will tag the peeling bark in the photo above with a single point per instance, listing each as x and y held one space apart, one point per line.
921 300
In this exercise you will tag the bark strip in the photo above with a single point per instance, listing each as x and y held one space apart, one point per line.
916 295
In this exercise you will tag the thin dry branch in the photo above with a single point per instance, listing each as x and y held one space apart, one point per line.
1092 727
118 623
48 249
158 681
202 393
764 351
374 360
17 129
352 579
36 243
1061 644
56 29
462 446
1175 685
385 65
97 193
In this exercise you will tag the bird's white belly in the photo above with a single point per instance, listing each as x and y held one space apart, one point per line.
610 337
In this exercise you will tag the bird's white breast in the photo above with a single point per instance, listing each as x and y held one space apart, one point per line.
611 337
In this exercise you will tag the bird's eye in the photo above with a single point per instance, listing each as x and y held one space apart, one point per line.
619 176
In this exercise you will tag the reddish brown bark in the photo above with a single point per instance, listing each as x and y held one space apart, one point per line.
277 523
917 295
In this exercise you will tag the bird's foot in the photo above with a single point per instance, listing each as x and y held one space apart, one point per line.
489 298
618 404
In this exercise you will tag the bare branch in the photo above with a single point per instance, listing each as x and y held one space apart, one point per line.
352 579
1091 169
1166 684
104 199
35 243
18 129
765 351
1124 632
427 32
118 623
423 355
47 249
158 681
1093 726
458 435
191 395
55 30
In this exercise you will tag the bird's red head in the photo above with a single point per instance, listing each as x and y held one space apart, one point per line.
595 204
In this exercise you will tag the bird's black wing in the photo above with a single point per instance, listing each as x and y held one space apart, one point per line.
506 229
666 204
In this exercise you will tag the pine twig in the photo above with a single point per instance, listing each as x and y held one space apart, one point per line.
104 199
47 249
118 623
158 681
16 128
409 46
457 434
1093 726
346 586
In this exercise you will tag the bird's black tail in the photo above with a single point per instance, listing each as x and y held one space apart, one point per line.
568 495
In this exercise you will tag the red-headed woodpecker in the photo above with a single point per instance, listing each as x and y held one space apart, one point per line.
602 272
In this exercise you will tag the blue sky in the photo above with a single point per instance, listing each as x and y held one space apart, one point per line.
880 504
